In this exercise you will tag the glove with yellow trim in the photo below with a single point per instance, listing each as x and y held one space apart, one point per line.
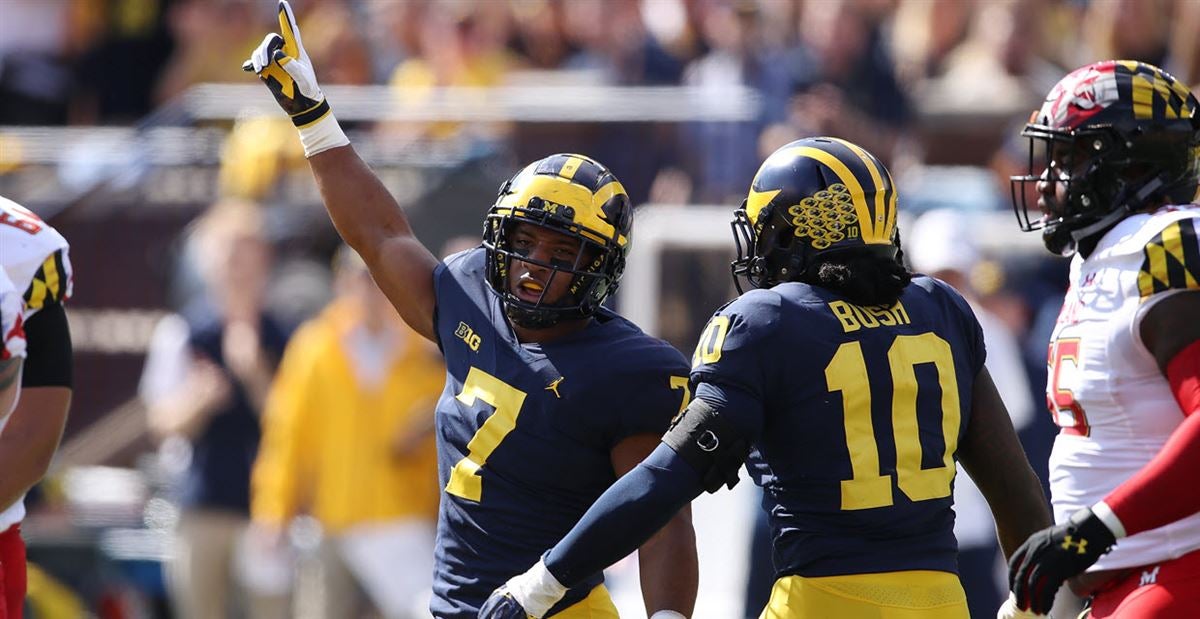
282 64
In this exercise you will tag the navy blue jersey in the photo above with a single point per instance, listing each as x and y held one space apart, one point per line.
525 431
856 414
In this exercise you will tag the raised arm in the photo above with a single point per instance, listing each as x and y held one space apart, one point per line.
364 213
371 222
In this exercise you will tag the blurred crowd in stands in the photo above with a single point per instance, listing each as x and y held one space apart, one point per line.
938 89
875 72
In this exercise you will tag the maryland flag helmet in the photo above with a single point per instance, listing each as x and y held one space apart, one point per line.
1121 135
813 199
573 195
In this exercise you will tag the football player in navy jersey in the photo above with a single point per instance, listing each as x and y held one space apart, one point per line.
549 397
848 386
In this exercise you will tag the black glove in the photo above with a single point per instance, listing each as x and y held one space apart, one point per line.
1051 556
501 605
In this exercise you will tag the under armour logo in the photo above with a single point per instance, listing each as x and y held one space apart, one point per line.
553 386
1080 545
1149 577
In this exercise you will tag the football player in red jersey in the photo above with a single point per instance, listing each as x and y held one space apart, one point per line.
1116 189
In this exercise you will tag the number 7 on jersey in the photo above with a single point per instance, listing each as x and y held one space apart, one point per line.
465 481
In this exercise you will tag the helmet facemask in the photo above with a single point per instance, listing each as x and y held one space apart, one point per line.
767 254
748 265
1104 177
594 274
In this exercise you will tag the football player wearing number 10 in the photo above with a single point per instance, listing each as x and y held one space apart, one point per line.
851 384
549 396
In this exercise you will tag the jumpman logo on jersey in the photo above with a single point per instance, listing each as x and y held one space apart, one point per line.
553 386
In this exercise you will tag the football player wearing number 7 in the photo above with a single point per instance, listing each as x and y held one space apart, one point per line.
851 385
549 396
1116 176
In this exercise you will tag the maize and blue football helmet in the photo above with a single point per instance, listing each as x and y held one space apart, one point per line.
811 200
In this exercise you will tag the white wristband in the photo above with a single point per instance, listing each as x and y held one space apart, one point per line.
322 135
1109 518
668 614
537 590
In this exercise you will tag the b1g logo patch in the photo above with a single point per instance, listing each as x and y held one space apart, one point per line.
468 335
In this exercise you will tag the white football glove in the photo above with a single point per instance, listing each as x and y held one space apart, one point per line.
282 64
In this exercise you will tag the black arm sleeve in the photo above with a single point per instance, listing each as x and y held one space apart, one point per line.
630 512
48 361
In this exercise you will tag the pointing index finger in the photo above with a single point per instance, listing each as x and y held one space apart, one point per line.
292 45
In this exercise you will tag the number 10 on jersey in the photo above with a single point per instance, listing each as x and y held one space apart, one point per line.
847 373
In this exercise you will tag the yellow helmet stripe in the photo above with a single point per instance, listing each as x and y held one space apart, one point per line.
606 193
848 179
570 167
881 221
890 226
757 201
601 197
